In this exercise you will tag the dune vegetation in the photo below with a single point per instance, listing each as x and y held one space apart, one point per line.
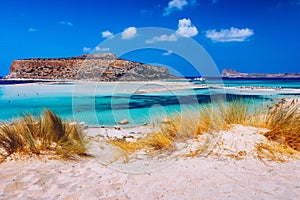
48 134
283 122
281 119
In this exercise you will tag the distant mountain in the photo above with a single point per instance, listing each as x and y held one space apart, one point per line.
232 73
99 67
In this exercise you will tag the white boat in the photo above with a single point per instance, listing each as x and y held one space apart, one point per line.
199 79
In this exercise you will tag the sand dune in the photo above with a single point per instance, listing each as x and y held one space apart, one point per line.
213 176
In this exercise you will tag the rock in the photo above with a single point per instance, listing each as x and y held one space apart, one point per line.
82 123
117 127
123 122
165 120
98 67
232 73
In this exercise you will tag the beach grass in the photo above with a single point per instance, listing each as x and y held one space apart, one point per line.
173 129
220 115
48 134
283 123
183 127
274 151
281 120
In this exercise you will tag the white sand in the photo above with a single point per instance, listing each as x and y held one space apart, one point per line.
136 132
214 176
105 88
252 90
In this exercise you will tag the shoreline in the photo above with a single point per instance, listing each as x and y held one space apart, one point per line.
161 86
230 159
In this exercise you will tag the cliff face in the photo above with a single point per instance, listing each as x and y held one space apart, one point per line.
100 67
232 73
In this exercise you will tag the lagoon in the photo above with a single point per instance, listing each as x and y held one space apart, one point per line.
139 102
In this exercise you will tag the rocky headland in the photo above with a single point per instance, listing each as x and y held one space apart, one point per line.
232 73
98 67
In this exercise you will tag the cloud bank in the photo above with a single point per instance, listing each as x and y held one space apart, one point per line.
66 23
129 33
185 29
229 35
86 49
107 34
174 5
101 49
167 53
32 30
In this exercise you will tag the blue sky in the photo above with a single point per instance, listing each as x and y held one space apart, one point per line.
248 35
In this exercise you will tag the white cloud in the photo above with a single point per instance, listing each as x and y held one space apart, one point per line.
86 49
174 5
101 49
229 35
66 23
107 34
186 29
167 53
32 29
161 38
129 33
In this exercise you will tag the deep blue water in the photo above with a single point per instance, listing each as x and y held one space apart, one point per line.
10 82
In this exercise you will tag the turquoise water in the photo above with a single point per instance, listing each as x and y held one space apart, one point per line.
259 82
104 105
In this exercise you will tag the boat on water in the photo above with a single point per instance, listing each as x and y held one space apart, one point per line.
199 79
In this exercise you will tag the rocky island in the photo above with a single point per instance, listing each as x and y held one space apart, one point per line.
98 67
232 73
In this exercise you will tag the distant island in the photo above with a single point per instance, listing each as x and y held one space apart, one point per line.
98 67
106 67
232 73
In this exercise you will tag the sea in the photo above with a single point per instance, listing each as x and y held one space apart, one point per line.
108 103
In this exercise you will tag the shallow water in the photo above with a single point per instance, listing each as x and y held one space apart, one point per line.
107 104
258 82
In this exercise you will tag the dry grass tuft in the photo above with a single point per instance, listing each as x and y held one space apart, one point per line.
46 135
283 121
275 152
175 129
181 128
220 115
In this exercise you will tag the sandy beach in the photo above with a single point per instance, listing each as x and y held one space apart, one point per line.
83 88
223 173
150 100
230 167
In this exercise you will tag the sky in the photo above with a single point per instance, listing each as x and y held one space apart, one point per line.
249 35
